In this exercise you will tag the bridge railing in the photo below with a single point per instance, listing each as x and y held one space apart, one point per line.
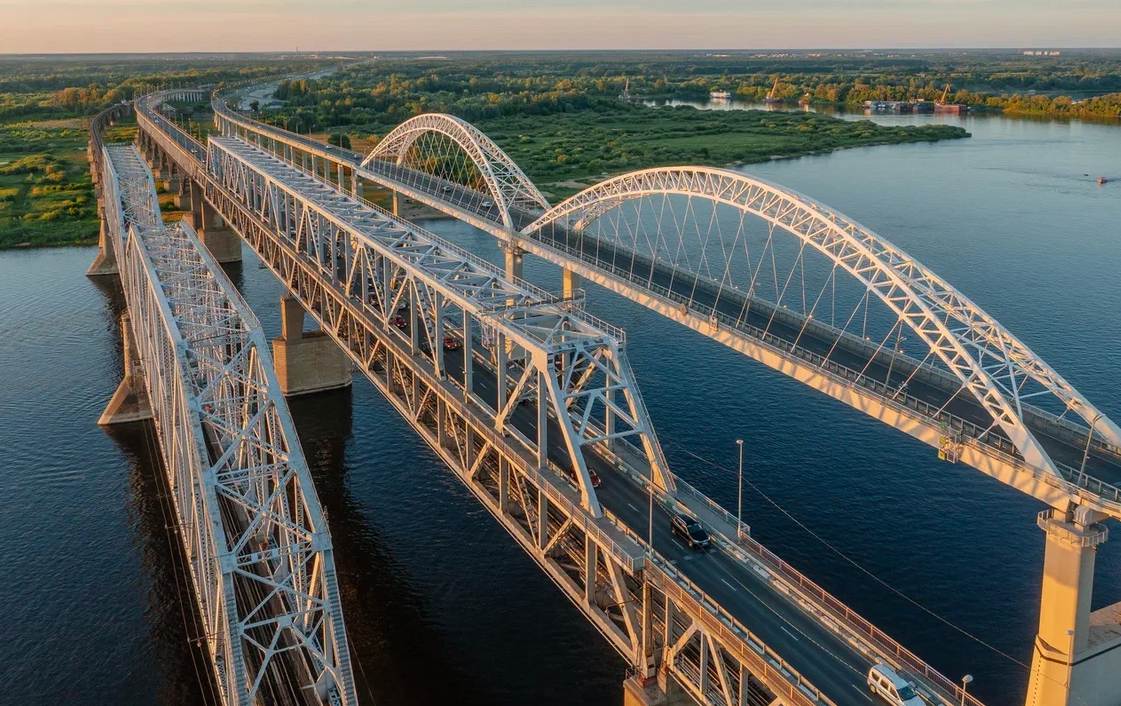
838 611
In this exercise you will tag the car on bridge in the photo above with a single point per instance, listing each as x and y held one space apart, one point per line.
451 343
885 682
690 531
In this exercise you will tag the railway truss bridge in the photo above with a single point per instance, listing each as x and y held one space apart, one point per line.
531 402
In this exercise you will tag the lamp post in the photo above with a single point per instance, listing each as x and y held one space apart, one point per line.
1089 438
894 354
739 500
650 517
965 682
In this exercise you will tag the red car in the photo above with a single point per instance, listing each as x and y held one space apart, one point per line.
399 322
451 343
596 482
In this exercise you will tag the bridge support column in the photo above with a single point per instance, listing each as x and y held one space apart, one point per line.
570 282
223 243
515 261
648 692
306 363
1077 656
130 402
105 262
182 192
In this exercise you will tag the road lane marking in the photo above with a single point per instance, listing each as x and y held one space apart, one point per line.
632 506
733 588
783 628
784 619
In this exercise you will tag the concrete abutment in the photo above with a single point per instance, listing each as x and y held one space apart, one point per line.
105 262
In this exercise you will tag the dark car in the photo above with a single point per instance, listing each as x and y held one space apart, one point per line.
451 343
690 532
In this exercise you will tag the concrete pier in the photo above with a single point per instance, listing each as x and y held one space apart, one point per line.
306 362
639 692
570 282
130 402
1077 653
515 261
223 243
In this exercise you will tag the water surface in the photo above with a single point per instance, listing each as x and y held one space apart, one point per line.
441 606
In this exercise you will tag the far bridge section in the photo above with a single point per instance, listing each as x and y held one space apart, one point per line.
247 516
531 402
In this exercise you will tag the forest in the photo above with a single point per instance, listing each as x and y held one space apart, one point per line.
567 120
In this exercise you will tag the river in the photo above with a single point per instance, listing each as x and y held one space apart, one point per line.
441 606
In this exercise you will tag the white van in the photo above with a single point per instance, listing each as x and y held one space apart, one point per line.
892 688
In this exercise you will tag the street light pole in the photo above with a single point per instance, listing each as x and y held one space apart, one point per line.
739 500
1089 438
650 517
965 682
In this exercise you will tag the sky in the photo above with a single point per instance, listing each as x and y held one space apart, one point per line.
34 26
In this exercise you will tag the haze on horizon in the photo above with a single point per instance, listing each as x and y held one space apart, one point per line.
78 26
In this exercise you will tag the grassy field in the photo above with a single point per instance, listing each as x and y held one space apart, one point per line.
566 150
46 196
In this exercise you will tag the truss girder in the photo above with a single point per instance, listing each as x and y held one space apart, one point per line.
962 335
507 184
427 291
250 523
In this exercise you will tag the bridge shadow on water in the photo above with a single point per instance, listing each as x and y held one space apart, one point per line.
171 613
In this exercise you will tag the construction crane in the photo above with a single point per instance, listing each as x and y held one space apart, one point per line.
941 106
772 96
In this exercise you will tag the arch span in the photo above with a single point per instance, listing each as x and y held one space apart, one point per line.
507 184
991 363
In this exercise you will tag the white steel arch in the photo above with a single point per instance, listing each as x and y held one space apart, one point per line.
508 185
988 360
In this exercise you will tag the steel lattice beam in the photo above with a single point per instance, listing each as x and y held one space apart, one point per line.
258 548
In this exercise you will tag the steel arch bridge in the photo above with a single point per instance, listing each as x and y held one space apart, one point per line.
657 237
990 362
500 176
